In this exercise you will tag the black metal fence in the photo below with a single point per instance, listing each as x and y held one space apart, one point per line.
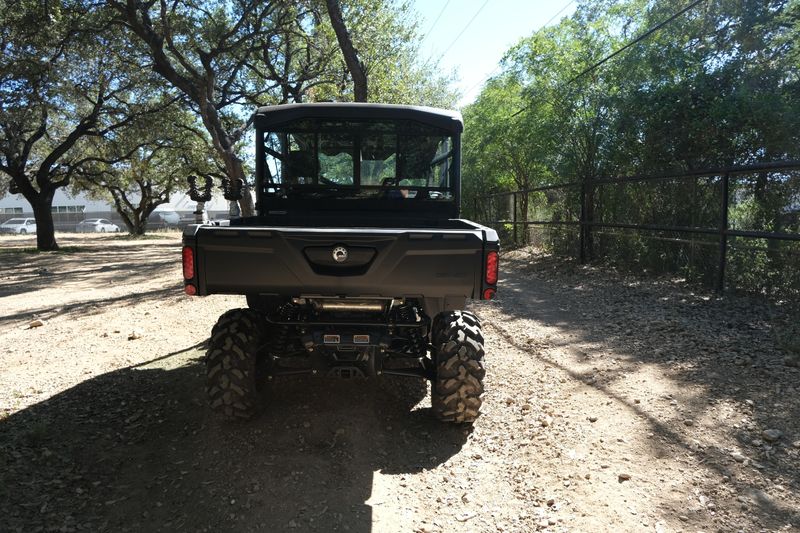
697 218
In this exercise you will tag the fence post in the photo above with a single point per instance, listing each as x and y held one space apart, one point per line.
514 215
582 225
723 232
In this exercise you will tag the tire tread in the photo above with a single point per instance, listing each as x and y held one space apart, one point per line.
457 388
231 364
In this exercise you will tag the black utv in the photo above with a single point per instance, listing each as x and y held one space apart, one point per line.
356 263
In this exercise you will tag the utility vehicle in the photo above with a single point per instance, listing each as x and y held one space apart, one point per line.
356 263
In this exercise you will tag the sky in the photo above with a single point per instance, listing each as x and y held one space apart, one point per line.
476 53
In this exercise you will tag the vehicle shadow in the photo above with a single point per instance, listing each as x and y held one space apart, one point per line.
137 450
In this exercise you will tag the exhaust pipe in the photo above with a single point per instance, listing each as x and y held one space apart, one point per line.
358 306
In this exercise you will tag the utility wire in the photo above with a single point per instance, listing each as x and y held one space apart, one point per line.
637 40
642 37
434 22
497 68
463 30
557 14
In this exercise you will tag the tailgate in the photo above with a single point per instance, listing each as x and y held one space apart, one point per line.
390 263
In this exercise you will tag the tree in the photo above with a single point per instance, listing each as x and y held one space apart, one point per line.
57 88
213 53
227 57
717 86
142 165
356 68
387 38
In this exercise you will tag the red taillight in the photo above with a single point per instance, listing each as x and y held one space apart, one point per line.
488 294
492 263
190 289
188 262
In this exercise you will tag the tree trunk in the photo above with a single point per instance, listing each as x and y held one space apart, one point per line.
139 227
354 65
45 228
235 170
129 225
224 146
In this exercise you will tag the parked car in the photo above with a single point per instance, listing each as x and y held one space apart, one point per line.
18 226
96 225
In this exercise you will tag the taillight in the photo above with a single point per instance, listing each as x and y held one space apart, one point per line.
190 289
492 263
488 294
188 262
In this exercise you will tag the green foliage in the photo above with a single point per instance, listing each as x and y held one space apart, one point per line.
719 86
141 165
385 33
58 88
76 77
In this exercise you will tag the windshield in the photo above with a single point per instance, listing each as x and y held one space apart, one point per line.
390 160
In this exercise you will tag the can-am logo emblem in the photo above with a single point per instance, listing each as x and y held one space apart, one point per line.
340 254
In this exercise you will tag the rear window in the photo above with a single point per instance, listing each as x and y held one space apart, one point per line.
15 221
369 159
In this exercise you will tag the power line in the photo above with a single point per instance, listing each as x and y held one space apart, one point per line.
557 14
478 12
434 22
497 68
642 37
637 40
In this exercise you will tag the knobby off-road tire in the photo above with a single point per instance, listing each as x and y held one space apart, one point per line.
231 362
456 390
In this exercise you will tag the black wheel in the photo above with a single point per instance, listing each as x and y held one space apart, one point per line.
232 383
458 383
23 232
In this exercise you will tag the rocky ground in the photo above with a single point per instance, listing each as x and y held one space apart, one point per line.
612 404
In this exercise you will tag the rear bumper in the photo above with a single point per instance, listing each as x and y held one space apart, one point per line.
408 263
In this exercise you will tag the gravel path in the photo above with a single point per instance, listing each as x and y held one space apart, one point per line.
612 404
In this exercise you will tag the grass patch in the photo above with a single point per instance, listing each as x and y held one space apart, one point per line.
145 237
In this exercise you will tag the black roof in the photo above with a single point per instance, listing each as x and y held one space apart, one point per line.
271 116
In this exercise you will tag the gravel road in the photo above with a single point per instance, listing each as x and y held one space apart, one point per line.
613 404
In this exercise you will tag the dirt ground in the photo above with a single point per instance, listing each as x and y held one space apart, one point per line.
612 404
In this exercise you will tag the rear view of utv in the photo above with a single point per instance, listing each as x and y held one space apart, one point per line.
356 263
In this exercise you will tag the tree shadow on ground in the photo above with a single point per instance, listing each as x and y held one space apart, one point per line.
93 306
722 346
32 280
137 450
90 268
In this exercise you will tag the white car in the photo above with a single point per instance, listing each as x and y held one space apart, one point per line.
19 226
96 225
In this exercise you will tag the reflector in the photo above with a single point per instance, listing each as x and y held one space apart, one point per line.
188 262
492 263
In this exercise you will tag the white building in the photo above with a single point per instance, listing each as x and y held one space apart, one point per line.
70 209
